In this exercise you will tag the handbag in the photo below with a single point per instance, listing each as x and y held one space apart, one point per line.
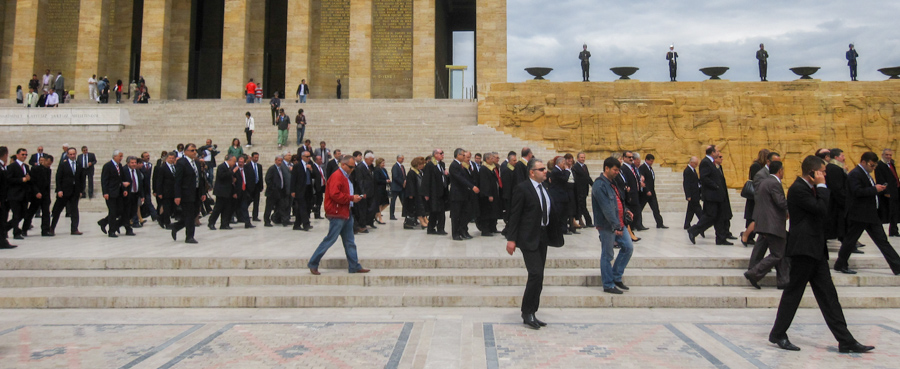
748 192
628 218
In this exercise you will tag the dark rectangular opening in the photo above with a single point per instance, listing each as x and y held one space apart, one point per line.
205 65
275 48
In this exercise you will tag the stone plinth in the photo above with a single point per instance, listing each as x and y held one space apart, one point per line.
675 121
62 117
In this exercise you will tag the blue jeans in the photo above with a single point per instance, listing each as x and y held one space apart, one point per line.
611 273
250 98
302 98
301 131
344 228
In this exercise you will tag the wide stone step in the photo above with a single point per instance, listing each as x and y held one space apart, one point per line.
401 277
458 296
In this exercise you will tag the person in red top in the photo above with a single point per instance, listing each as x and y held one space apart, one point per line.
250 92
339 198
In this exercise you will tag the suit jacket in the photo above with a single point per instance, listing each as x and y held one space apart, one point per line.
460 182
18 189
186 181
808 211
634 183
521 173
331 167
34 159
761 174
770 211
558 179
258 176
69 182
224 186
508 177
836 180
239 183
888 205
147 179
274 183
398 176
363 181
861 196
649 179
435 185
111 179
164 181
325 154
711 178
60 86
525 215
126 177
41 177
691 184
88 169
583 181
298 179
286 175
4 186
250 174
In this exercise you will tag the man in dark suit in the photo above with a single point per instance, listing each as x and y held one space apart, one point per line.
41 177
258 184
225 196
807 201
862 215
714 196
301 185
460 186
134 192
522 165
770 214
4 198
836 180
434 186
164 189
36 157
334 164
274 193
398 182
364 185
490 205
530 229
886 173
87 161
649 194
69 189
633 192
508 177
20 191
244 186
691 185
583 184
146 168
190 192
319 187
113 192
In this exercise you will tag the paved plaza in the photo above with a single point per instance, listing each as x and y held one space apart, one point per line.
370 330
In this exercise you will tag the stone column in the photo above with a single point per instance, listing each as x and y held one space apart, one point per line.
23 45
155 47
360 49
236 34
87 59
297 50
490 43
423 49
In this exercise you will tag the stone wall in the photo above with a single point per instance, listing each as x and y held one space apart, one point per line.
57 37
674 121
7 30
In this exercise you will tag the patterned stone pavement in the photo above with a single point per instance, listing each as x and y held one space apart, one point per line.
439 338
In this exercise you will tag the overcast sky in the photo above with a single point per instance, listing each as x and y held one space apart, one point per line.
705 33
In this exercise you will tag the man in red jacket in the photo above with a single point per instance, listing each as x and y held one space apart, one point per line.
339 198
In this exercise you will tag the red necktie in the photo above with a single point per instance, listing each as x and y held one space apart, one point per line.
134 180
243 180
499 181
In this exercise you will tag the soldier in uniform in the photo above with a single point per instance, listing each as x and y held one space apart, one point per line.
762 55
585 57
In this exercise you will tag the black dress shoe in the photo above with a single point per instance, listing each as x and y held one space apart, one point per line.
575 232
752 282
457 238
393 218
641 229
539 322
225 227
372 226
731 237
8 246
529 321
112 235
855 347
190 240
467 236
703 234
662 227
724 243
613 290
622 286
589 225
174 235
102 225
47 234
442 233
248 225
845 270
380 222
129 233
487 234
269 225
18 237
785 344
256 220
692 237
857 251
212 227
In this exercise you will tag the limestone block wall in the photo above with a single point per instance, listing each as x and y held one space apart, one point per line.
7 30
674 121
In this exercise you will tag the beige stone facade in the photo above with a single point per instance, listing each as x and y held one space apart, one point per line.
675 121
393 49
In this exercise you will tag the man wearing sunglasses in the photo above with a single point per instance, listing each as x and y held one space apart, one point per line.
190 192
339 198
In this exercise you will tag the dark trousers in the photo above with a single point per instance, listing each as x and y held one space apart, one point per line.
249 137
4 215
437 221
760 264
458 218
42 204
70 203
693 208
224 208
255 199
272 204
147 206
129 208
713 216
673 69
89 178
763 68
189 211
372 205
638 222
317 202
19 209
654 206
805 270
853 72
300 211
585 72
242 213
876 233
166 211
534 263
581 209
394 195
114 210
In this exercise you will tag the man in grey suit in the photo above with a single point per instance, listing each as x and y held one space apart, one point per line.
770 214
60 86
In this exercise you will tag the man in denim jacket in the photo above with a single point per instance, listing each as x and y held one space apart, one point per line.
609 214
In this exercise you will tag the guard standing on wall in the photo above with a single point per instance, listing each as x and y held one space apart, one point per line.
763 56
585 57
671 56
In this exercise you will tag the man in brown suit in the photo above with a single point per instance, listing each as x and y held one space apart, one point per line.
770 214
